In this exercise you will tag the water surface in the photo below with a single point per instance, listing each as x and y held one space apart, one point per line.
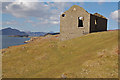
6 41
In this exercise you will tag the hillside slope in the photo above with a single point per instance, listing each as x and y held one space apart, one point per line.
91 56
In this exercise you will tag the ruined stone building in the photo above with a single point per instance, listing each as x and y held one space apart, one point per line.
76 22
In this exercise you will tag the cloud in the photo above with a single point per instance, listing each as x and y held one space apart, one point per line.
46 12
10 23
115 15
55 22
33 9
101 1
25 9
60 0
29 21
0 23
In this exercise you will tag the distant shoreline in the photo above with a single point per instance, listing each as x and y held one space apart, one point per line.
16 35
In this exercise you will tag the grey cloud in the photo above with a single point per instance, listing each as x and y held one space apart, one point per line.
46 13
115 15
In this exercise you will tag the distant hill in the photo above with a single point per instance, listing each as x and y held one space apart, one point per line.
14 32
52 34
42 33
10 31
36 33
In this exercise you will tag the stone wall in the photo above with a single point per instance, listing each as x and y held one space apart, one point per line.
101 24
69 23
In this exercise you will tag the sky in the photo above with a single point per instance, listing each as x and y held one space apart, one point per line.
45 16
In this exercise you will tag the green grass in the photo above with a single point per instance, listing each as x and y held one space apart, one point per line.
90 56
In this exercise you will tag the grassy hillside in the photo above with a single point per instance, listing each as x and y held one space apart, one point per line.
91 56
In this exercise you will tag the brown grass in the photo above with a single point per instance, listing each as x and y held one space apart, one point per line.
90 56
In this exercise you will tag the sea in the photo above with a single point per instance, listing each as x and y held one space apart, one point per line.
7 41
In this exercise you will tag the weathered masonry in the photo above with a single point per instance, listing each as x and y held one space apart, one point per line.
76 22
